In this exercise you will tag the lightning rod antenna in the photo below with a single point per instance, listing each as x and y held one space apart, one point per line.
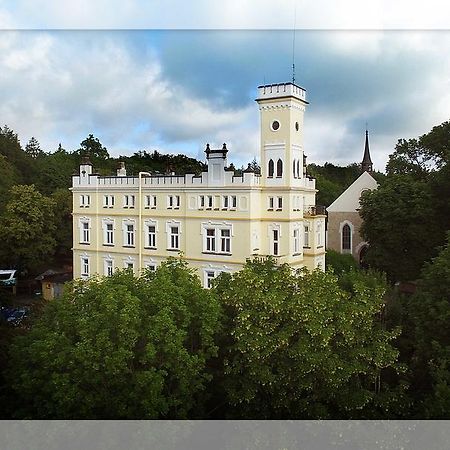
293 43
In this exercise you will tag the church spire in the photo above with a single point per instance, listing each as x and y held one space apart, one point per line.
366 165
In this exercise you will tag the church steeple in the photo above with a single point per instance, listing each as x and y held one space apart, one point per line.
366 165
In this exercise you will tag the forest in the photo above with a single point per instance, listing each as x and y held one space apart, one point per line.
264 342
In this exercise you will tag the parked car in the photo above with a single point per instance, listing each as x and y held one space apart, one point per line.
8 277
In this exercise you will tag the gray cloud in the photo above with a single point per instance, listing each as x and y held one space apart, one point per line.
177 90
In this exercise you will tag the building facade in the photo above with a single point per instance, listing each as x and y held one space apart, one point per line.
216 219
344 221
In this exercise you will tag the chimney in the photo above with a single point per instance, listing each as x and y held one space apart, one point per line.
121 171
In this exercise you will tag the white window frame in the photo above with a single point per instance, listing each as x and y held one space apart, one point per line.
85 232
270 203
108 266
233 202
129 201
209 202
201 202
169 225
147 224
215 243
271 234
126 233
279 203
85 200
150 202
296 249
225 202
210 273
108 201
108 233
85 262
319 234
306 235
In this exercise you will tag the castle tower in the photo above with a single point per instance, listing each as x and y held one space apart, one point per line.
282 107
366 165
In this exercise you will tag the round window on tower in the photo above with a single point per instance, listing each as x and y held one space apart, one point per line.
297 127
275 125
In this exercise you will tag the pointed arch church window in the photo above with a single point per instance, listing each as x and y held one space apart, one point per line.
271 167
279 168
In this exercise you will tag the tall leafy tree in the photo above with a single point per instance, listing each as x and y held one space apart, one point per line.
33 148
300 346
27 228
119 347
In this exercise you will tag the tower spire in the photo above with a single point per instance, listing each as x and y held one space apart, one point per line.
366 165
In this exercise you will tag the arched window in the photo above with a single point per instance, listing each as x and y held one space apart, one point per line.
293 169
271 168
346 237
279 168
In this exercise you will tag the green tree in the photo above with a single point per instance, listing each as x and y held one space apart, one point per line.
339 262
119 347
401 225
33 148
429 311
27 228
63 221
299 346
8 177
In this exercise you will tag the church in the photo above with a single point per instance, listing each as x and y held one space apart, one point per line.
344 220
216 219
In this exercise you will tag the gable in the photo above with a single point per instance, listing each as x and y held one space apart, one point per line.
348 201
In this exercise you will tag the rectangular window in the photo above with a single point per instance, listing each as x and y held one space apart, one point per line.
84 267
210 240
129 265
276 242
209 275
209 203
306 239
225 241
296 241
169 201
128 201
151 267
201 201
270 204
177 201
174 238
233 202
225 202
109 234
85 201
150 201
151 236
108 201
280 203
109 268
129 235
319 235
84 238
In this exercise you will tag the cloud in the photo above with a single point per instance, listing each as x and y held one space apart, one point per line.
176 90
229 14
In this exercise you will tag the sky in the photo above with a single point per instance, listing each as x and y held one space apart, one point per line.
139 80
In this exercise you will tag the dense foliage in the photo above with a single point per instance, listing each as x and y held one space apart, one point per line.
119 347
290 345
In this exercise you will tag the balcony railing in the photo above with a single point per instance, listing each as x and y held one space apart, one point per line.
316 210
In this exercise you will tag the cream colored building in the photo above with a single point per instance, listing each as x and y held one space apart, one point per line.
217 219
